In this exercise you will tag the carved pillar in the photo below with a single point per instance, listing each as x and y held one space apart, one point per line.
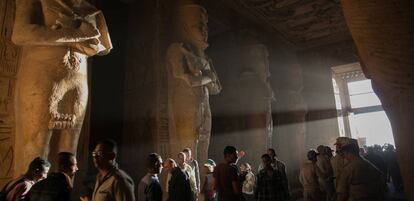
383 33
253 100
9 58
291 118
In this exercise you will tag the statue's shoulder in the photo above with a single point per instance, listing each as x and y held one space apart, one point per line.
175 50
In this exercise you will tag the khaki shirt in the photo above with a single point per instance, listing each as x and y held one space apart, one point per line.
338 163
309 176
115 186
325 166
360 180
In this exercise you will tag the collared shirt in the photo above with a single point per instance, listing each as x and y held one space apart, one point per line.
149 188
115 186
194 165
191 175
309 176
270 187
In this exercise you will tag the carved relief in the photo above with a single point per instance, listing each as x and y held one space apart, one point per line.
9 58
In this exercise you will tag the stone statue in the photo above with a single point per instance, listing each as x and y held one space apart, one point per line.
255 98
57 37
191 79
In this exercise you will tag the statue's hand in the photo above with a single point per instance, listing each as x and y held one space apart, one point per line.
205 80
90 47
89 30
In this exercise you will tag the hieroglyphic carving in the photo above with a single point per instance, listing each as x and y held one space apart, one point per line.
9 58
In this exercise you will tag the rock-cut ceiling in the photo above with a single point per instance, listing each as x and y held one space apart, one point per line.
304 23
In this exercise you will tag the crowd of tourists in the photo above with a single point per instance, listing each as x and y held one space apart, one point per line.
351 174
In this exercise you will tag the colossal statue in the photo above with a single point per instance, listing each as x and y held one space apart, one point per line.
191 79
57 37
255 95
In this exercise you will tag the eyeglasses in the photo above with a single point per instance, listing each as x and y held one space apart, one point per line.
99 153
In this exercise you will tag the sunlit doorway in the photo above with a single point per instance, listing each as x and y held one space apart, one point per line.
360 114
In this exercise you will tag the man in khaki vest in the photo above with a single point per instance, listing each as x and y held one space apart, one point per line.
359 180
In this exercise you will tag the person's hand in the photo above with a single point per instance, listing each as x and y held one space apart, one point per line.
84 198
241 154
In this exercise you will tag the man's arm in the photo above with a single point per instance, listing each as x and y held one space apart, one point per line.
197 175
124 190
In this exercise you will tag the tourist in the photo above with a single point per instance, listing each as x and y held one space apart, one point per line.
309 176
194 165
277 165
112 183
149 188
182 158
270 185
326 177
178 183
359 180
249 182
226 177
58 185
19 187
208 186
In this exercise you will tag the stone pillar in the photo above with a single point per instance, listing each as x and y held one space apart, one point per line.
253 99
291 119
9 58
383 33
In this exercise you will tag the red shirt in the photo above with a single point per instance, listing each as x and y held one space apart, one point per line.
224 175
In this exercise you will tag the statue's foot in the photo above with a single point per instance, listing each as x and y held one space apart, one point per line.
62 121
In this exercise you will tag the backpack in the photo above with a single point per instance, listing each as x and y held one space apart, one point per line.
6 190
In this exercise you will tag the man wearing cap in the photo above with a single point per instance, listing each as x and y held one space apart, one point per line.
359 180
309 176
338 162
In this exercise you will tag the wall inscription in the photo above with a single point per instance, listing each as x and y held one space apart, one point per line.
9 58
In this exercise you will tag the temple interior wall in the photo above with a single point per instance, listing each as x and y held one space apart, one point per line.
128 100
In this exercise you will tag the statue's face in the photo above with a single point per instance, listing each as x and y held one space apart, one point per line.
196 31
258 56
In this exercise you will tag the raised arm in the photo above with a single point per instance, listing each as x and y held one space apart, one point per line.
30 30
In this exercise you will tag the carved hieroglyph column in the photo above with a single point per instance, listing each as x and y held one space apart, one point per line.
191 79
9 58
57 37
383 32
